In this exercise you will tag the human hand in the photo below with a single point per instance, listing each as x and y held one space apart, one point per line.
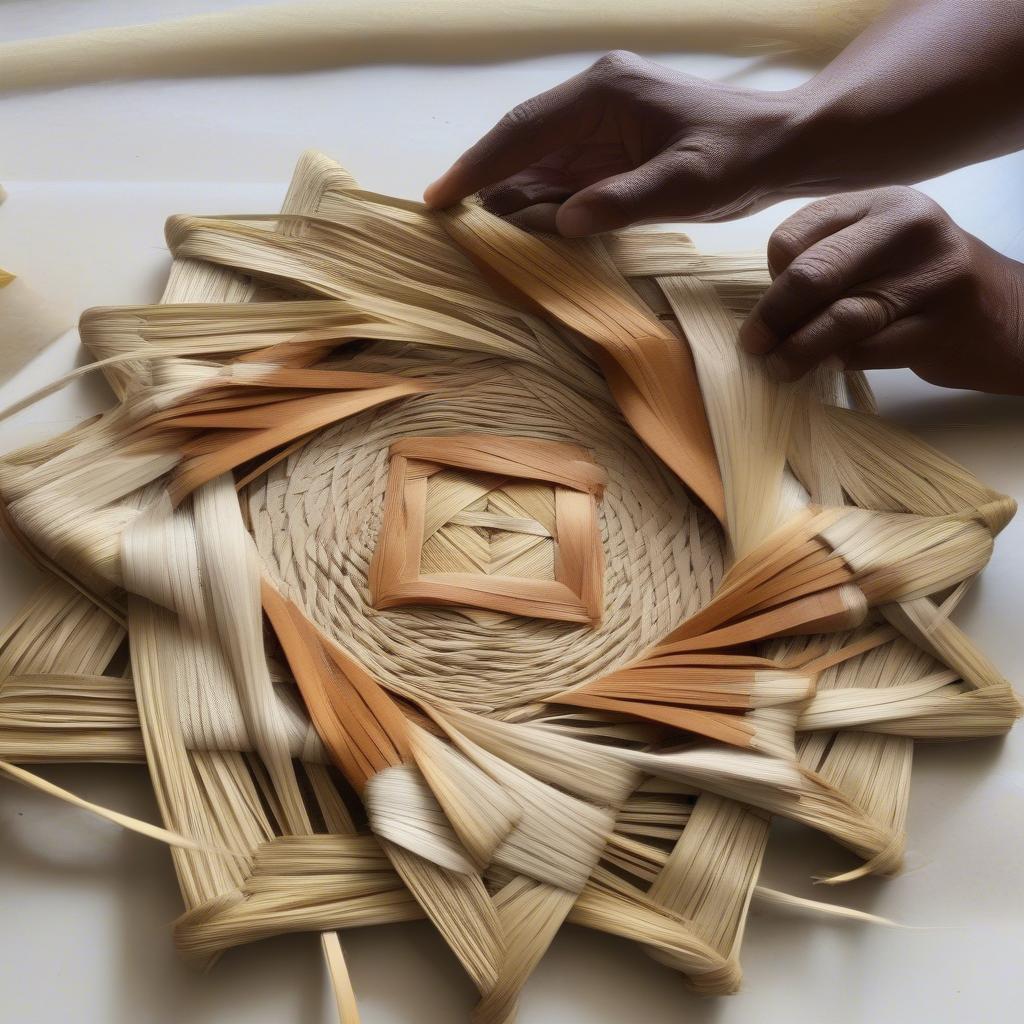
624 141
884 278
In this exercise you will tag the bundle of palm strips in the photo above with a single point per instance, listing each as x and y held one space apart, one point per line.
437 569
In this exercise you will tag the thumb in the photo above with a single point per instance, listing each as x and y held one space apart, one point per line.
645 193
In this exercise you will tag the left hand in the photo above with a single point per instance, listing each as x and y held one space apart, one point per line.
885 279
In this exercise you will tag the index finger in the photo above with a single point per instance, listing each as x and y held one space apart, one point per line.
526 134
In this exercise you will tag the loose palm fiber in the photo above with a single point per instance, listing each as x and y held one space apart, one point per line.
293 37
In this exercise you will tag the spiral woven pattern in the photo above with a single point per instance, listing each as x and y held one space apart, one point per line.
315 518
643 810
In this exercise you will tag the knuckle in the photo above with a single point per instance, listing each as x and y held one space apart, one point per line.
932 224
915 212
783 247
687 181
787 242
615 70
849 313
828 206
898 195
809 273
900 198
615 61
522 114
860 313
831 256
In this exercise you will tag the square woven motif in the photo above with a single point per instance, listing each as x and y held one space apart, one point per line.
504 524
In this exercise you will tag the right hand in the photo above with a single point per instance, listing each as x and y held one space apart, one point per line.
627 140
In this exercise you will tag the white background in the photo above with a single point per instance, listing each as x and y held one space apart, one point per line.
91 173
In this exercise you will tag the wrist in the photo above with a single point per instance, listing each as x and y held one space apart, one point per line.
750 145
810 157
792 129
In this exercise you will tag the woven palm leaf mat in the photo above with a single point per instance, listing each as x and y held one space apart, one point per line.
479 576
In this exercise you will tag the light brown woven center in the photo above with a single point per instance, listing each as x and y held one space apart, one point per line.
316 516
507 531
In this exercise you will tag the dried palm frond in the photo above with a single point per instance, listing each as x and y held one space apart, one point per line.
334 530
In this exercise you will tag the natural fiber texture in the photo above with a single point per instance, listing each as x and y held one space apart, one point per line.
419 622
292 37
316 520
507 524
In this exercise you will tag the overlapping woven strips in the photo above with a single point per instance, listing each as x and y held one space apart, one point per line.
316 521
355 406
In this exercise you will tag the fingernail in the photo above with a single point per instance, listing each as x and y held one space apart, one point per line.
755 337
574 222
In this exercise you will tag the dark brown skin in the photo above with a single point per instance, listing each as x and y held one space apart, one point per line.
884 279
875 279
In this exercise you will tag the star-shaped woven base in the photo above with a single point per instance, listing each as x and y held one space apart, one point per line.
505 524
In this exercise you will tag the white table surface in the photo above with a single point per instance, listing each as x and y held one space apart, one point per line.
92 172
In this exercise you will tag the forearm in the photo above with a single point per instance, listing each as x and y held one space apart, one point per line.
932 85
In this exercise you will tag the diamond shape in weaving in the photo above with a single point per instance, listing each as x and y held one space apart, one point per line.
490 533
508 531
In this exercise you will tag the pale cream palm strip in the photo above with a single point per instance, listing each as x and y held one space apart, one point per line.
287 37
